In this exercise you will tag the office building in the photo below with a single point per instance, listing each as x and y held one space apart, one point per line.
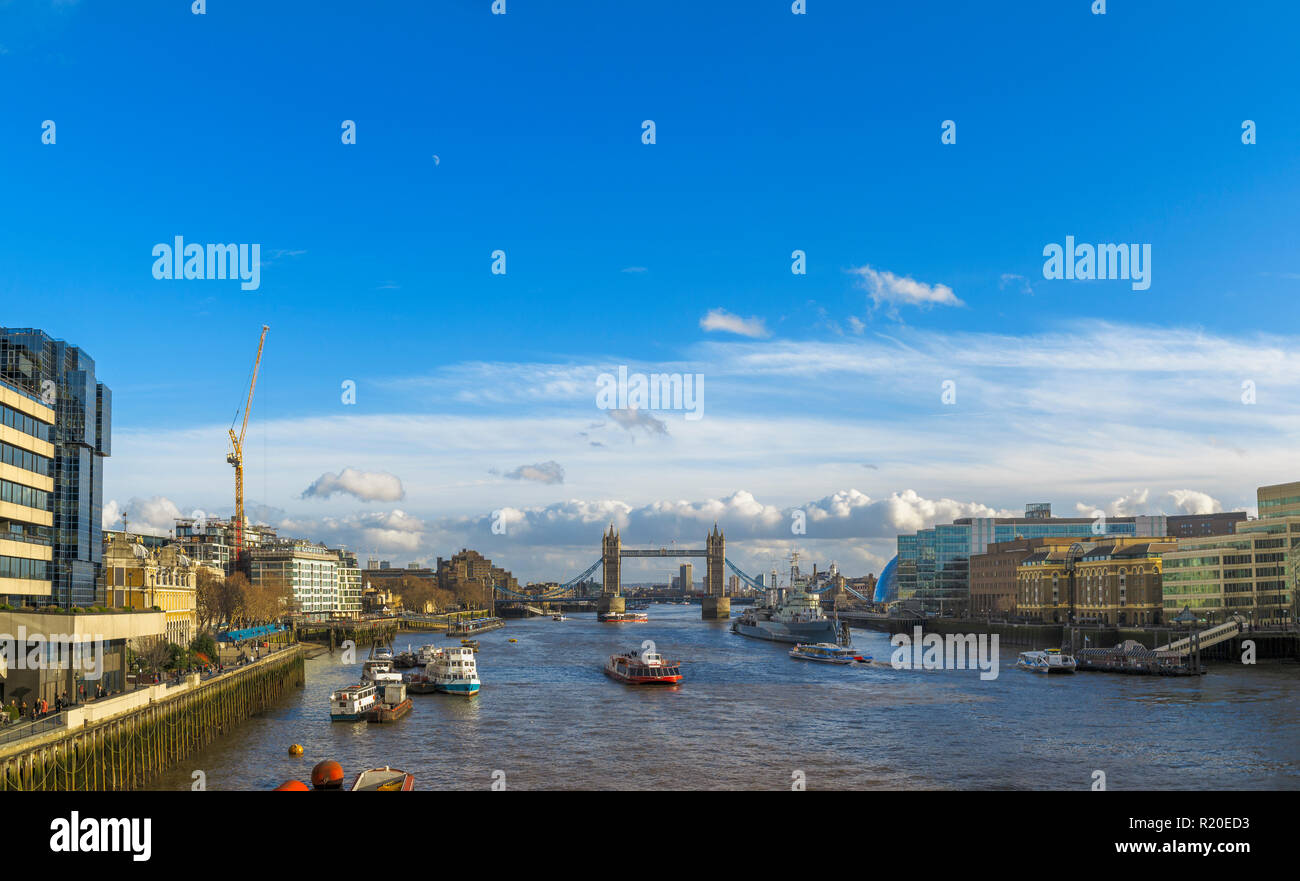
62 378
1250 573
26 486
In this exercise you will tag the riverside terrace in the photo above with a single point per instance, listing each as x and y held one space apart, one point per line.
44 654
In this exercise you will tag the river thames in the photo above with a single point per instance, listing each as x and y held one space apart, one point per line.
749 717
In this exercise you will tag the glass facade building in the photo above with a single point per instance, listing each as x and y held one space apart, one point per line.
62 376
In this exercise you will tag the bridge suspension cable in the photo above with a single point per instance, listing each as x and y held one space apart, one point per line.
555 592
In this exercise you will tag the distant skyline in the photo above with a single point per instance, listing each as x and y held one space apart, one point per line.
922 369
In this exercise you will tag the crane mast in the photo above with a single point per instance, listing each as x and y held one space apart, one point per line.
236 456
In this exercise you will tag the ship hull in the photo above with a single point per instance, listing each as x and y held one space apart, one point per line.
775 631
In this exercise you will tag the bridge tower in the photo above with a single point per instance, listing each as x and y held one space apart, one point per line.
611 550
717 605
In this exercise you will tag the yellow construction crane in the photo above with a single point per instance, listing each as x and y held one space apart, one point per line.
236 456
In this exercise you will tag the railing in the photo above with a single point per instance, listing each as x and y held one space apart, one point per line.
20 730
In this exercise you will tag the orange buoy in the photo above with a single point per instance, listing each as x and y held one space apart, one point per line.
327 775
295 749
292 786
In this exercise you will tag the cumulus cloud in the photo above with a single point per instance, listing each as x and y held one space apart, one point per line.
721 319
368 486
542 472
152 516
1129 505
1190 501
886 288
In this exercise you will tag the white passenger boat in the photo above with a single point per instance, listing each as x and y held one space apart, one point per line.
427 653
1046 661
454 671
379 672
828 653
352 703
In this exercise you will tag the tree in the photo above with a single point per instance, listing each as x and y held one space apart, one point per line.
209 592
235 597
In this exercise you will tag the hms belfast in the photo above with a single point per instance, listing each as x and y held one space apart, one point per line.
790 614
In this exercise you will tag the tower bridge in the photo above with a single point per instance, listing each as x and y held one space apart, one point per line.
716 604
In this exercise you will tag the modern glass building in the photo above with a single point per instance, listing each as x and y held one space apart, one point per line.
62 377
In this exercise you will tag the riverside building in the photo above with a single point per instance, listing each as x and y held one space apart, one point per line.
1251 573
73 424
26 485
322 583
934 564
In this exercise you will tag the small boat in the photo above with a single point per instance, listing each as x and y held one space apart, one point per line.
470 644
379 672
405 660
419 683
394 706
454 672
1046 661
426 654
643 668
352 703
827 653
560 617
383 779
623 617
512 639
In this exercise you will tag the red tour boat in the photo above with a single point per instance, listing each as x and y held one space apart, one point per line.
643 668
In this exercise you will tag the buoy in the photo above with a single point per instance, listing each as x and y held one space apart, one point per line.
292 786
327 775
295 749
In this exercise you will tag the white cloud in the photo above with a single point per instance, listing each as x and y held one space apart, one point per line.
887 288
152 516
721 319
1190 501
368 486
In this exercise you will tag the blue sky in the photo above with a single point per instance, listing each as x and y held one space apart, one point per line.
774 132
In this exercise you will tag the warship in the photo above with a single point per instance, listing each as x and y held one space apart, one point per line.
791 614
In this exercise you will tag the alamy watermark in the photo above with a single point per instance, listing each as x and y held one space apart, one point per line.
955 651
193 261
653 391
56 651
1103 261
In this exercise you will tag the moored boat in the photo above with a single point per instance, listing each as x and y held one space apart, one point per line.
394 706
643 668
454 671
1046 661
352 703
379 672
828 653
560 617
622 617
383 779
790 614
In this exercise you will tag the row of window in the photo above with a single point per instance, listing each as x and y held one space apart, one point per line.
26 460
18 494
17 567
24 423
